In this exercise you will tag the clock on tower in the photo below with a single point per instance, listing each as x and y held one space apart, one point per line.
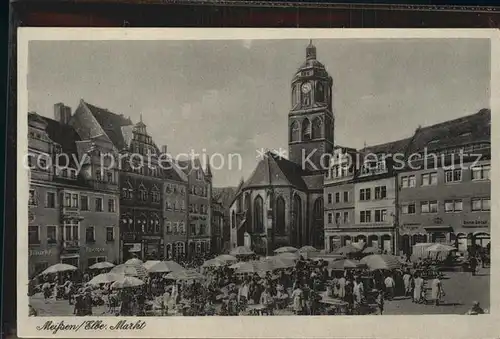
311 119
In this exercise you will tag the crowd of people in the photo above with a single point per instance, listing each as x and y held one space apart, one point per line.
308 287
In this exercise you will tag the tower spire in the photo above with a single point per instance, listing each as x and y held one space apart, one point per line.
310 51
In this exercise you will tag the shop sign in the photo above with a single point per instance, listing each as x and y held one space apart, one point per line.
95 249
475 223
39 252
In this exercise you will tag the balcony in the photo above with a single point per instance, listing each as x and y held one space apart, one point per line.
71 246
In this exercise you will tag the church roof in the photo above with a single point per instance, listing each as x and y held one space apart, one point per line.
274 170
314 182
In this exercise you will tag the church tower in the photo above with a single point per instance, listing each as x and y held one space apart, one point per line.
311 120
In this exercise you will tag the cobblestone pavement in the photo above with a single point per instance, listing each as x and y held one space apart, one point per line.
461 290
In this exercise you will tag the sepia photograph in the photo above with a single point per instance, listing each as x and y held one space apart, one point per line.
245 174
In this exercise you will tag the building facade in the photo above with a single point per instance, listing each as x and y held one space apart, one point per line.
73 209
445 195
175 214
199 207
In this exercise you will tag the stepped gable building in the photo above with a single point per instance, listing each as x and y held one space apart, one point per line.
73 212
141 180
281 203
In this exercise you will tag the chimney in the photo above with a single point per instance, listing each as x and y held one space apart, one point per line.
164 149
62 113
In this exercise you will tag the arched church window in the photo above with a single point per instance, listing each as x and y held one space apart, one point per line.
306 129
280 216
306 99
317 128
297 221
295 131
320 92
295 95
258 214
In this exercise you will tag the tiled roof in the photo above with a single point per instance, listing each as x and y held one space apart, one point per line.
111 123
274 170
63 134
314 182
469 129
398 146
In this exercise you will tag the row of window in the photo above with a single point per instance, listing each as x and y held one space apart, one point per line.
175 227
175 205
339 171
379 216
380 192
199 209
450 206
173 188
339 218
338 196
454 175
197 229
199 191
70 233
72 200
307 131
128 193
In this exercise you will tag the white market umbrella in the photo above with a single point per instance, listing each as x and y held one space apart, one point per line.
105 278
289 255
242 250
101 265
440 248
165 267
150 263
226 258
130 270
214 263
308 249
134 261
59 268
381 262
286 249
126 281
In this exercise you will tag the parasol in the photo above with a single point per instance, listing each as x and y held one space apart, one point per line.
242 250
105 278
280 262
381 262
286 249
290 256
308 249
59 268
126 281
226 258
165 267
185 275
344 264
440 248
214 263
150 263
130 270
134 261
348 249
101 265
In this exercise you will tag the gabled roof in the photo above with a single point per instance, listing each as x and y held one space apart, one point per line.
111 123
274 170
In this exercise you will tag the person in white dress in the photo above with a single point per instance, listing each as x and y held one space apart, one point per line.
437 291
418 289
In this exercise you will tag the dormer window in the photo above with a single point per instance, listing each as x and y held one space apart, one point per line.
434 141
465 134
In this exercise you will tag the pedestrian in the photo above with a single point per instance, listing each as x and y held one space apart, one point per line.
298 299
437 290
473 265
380 301
418 288
407 279
389 287
46 291
475 309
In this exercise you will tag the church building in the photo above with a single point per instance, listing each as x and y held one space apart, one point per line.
281 203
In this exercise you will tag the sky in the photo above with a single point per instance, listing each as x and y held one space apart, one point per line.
233 96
